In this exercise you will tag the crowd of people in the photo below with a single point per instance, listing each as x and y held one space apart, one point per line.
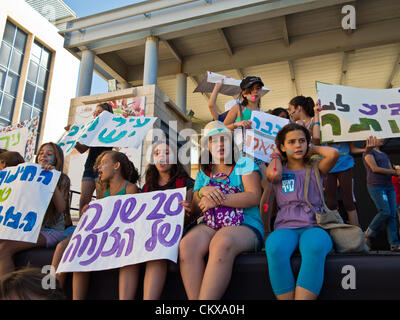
225 206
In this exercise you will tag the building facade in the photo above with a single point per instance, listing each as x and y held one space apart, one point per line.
37 75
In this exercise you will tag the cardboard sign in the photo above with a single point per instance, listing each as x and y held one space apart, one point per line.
25 194
354 114
122 230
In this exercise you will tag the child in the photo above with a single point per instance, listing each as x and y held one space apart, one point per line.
295 224
396 185
303 111
342 174
49 156
380 188
222 245
280 112
89 177
118 176
166 172
10 159
27 284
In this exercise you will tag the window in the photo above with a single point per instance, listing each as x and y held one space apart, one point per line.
11 58
36 84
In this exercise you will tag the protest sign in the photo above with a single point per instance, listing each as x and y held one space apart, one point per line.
122 230
354 114
20 137
260 140
230 86
108 130
21 216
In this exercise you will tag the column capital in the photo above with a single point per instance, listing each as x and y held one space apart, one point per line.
152 38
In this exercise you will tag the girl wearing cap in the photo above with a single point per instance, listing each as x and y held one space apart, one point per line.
295 224
209 281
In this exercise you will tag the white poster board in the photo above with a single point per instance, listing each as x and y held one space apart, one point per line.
122 230
260 140
354 114
25 194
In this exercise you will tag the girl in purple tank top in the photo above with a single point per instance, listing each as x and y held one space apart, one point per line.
295 224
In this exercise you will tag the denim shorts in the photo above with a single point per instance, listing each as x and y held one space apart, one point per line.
52 236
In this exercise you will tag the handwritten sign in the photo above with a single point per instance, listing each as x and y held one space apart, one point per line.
25 194
230 87
260 140
20 137
14 140
108 130
353 114
123 230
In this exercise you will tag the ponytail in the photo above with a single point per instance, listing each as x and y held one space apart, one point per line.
307 103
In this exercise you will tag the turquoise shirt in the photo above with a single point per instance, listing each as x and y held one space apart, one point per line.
345 160
245 165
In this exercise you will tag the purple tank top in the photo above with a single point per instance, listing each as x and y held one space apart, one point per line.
294 212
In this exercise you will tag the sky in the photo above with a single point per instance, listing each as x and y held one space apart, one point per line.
84 8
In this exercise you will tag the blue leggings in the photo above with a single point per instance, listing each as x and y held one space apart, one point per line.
314 244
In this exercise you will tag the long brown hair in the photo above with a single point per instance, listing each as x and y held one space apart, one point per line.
64 184
128 169
11 158
152 175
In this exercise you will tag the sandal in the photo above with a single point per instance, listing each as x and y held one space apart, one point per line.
395 248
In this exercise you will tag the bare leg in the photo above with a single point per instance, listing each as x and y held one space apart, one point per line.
286 296
304 294
192 250
80 285
154 279
8 248
226 244
128 281
87 189
58 253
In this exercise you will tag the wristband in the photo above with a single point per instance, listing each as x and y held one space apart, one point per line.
199 194
313 123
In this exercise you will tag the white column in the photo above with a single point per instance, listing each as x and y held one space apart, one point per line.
150 61
85 73
181 91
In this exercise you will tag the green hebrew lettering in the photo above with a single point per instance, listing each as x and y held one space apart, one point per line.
365 124
394 126
334 121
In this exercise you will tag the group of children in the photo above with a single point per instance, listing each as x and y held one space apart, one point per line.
225 204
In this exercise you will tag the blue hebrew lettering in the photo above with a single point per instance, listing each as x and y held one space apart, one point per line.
373 109
12 220
258 123
13 177
45 177
270 126
73 131
109 138
29 171
3 175
139 123
93 125
30 219
120 120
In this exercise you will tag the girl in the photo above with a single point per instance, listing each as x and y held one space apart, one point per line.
280 112
295 224
49 156
164 173
89 177
223 245
342 173
118 176
380 188
303 111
